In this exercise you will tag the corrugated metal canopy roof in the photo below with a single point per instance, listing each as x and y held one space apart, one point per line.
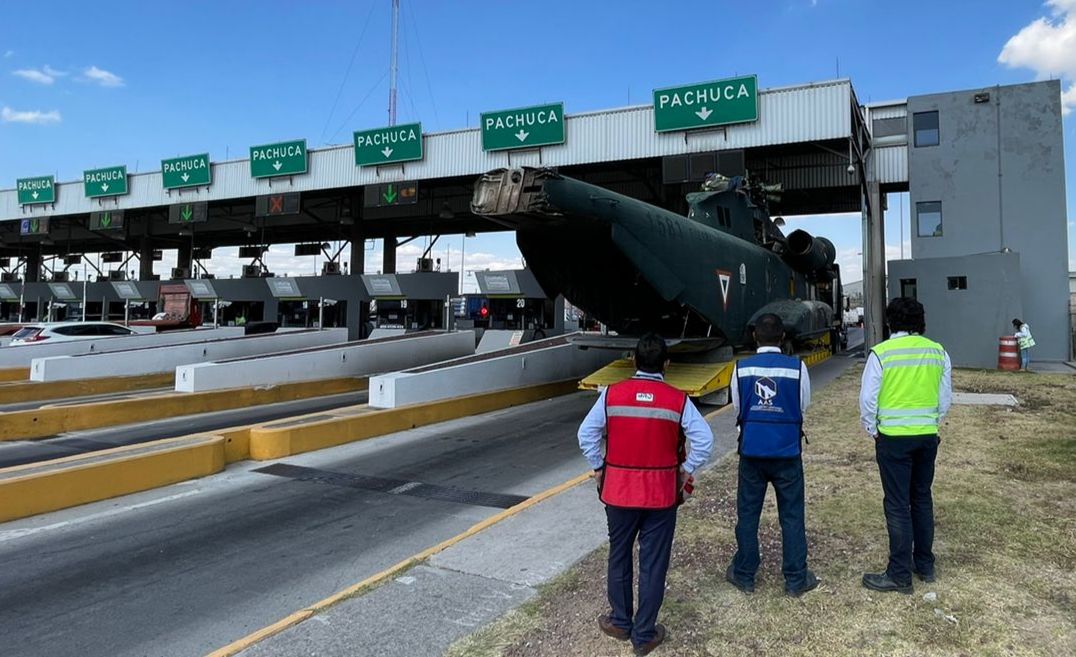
804 113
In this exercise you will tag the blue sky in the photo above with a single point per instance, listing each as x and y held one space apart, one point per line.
96 83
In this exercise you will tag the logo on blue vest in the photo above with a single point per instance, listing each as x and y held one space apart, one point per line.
765 390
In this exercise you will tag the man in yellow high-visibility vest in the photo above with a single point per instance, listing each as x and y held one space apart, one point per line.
906 391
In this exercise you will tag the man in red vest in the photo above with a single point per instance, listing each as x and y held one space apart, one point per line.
641 478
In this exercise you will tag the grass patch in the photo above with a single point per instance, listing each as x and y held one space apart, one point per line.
1005 504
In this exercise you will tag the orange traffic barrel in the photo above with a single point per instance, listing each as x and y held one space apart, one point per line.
1008 354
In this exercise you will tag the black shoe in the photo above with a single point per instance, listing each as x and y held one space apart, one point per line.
810 583
730 577
608 629
883 583
648 647
929 578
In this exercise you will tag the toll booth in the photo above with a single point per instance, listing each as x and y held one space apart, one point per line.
320 302
516 302
410 302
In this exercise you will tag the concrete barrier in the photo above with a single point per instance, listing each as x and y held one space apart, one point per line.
539 362
22 355
155 359
360 358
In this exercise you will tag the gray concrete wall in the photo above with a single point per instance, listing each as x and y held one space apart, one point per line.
967 322
999 174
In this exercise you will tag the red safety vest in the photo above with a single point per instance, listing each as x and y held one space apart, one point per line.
645 444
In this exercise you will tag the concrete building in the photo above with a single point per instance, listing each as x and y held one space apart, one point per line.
986 175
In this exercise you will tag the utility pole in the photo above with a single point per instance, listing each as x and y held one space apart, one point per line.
393 61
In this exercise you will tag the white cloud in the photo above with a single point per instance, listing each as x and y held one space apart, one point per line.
102 77
53 72
1047 46
34 75
8 115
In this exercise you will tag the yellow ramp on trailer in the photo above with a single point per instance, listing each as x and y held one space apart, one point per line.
696 379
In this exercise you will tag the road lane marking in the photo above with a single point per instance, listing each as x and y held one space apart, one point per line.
13 534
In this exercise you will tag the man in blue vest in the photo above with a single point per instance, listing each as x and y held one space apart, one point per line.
770 391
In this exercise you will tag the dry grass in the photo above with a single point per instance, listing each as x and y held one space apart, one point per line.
1005 498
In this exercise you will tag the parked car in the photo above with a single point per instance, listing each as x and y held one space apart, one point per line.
64 331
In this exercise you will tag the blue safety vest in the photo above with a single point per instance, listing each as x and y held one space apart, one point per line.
770 418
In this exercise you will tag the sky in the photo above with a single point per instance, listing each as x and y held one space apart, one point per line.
91 84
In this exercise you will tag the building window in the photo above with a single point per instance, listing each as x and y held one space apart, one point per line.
928 218
925 125
908 288
892 127
958 282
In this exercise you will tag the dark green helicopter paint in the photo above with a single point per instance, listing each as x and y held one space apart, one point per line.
637 267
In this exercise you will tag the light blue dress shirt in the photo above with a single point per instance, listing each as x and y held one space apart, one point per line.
700 438
872 385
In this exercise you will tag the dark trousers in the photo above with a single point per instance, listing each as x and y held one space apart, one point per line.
654 530
786 475
906 464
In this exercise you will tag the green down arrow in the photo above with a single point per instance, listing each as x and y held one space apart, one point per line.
187 212
106 219
390 195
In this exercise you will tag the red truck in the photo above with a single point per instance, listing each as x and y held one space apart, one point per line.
176 309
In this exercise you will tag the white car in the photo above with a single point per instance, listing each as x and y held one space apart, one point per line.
64 331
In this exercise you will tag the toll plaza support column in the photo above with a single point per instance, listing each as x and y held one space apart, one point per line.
33 268
389 256
184 258
874 293
358 252
145 260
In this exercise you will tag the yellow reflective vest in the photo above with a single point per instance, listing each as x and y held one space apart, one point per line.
912 370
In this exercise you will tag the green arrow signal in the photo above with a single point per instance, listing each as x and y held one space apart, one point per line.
390 195
106 220
186 213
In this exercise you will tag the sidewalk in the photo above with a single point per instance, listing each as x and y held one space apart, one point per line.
454 593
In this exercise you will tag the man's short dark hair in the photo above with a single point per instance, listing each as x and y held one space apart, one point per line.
769 330
651 354
1016 323
906 314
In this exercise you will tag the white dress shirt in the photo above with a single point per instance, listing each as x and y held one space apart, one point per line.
872 385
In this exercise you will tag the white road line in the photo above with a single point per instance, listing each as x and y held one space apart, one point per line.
13 534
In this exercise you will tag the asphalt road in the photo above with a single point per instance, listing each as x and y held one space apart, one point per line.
183 570
80 442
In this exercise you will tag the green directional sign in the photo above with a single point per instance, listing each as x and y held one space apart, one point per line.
188 171
706 104
526 127
284 159
41 189
388 194
108 220
188 213
110 181
398 143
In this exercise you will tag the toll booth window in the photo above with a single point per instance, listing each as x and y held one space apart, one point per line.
908 288
926 128
958 282
928 218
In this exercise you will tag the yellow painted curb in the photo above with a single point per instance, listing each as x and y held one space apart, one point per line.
15 374
86 478
301 615
272 442
52 420
13 392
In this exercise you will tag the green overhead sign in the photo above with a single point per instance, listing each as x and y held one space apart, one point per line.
398 143
706 104
110 181
526 127
189 171
41 189
284 159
